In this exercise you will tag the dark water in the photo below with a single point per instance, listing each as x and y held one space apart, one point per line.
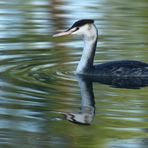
38 88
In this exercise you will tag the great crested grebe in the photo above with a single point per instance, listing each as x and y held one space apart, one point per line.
125 68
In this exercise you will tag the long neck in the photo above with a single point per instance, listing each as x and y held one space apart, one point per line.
87 58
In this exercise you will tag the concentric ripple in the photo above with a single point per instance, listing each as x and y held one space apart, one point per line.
27 70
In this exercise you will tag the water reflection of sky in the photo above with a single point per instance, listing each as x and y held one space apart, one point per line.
14 18
83 10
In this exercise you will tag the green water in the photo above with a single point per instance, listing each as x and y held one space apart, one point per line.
37 81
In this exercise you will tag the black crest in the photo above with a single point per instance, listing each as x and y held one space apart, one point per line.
81 23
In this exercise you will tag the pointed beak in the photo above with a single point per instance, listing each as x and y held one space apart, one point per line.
64 33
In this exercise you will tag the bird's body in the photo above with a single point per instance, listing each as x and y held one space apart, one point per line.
124 68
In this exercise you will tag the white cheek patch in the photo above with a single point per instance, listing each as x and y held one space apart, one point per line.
89 26
82 30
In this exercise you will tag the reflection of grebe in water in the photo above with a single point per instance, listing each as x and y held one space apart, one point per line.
86 115
87 112
89 31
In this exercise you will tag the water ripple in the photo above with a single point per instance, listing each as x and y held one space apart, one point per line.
37 80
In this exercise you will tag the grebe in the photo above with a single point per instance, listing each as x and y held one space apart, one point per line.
125 68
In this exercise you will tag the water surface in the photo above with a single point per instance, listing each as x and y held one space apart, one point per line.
38 87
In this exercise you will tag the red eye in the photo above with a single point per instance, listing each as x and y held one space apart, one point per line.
77 28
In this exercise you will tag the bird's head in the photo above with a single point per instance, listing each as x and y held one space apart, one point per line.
83 27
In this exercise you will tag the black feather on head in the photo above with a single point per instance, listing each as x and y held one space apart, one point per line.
81 23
